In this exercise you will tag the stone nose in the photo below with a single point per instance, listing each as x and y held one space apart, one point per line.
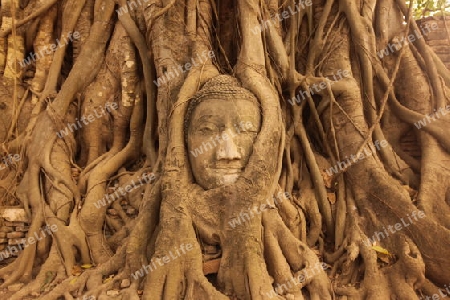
228 150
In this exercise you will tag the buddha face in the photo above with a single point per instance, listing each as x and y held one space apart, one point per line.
220 140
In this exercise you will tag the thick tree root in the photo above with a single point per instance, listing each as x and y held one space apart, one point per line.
50 274
90 279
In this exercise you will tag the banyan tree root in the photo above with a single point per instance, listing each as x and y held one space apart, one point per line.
242 271
261 258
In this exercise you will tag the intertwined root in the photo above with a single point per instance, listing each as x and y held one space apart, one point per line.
399 280
266 246
243 271
290 256
182 276
251 266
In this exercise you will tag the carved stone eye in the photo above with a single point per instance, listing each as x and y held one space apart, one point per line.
207 129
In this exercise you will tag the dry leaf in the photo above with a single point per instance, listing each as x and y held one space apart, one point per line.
332 198
380 250
108 279
77 271
327 179
87 266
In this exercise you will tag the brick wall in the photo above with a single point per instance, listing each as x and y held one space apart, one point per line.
14 225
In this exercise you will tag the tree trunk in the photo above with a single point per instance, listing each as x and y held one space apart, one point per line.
100 101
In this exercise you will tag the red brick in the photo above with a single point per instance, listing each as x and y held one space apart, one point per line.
6 229
22 228
16 241
15 235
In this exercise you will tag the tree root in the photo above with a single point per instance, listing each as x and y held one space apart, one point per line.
90 278
90 220
52 265
68 236
297 255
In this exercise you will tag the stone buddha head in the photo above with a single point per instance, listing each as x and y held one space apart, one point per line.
221 125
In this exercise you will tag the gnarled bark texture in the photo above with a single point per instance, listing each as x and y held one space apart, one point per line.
341 84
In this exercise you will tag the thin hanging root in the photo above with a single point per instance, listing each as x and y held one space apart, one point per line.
442 69
392 165
46 6
109 86
149 77
15 118
278 51
99 160
318 41
92 221
44 37
290 178
437 128
312 213
92 54
408 116
319 185
341 212
15 45
290 215
147 222
57 176
120 128
71 13
83 27
436 84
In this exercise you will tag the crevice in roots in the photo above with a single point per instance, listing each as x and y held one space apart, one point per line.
326 217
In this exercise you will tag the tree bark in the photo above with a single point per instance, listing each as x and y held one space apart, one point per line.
94 97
